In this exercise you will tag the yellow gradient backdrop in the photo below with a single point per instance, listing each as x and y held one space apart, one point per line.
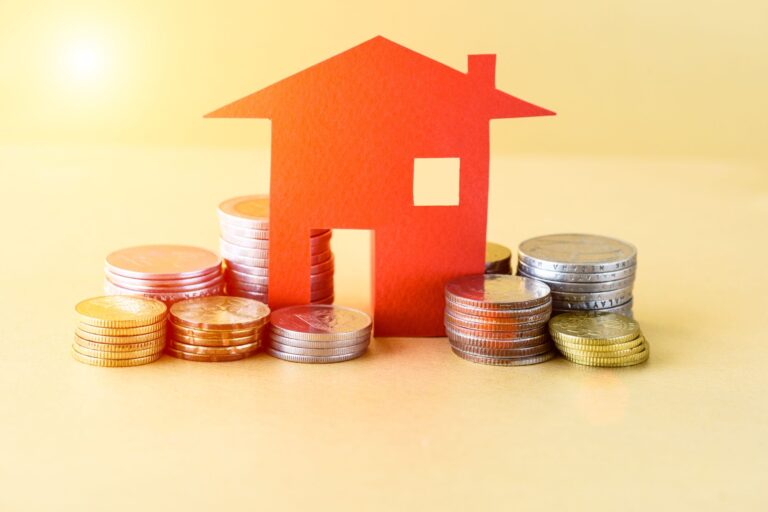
680 78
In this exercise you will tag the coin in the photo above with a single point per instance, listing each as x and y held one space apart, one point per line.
590 305
586 287
246 211
166 297
136 338
316 352
220 313
577 253
299 343
193 332
162 262
543 309
246 348
109 354
503 352
630 360
598 349
228 230
518 334
492 324
497 258
229 250
216 279
503 361
97 361
588 354
481 341
593 328
207 358
122 331
575 277
120 311
133 282
157 344
313 359
496 291
320 322
213 342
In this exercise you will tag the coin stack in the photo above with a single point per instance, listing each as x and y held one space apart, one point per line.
244 223
594 338
498 319
119 331
317 333
498 259
585 272
168 273
217 328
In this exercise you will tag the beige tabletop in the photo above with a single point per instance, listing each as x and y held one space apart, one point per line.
409 426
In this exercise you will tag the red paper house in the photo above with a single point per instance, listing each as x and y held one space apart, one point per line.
345 135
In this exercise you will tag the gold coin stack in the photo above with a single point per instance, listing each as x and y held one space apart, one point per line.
599 339
217 328
119 330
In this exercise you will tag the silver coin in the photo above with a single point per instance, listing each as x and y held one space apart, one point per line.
247 269
452 320
520 334
589 305
366 338
320 322
484 341
497 291
313 359
245 261
229 249
624 309
250 212
596 286
505 361
498 313
242 232
577 253
321 352
617 296
575 277
503 352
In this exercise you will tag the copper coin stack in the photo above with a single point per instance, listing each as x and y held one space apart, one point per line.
318 333
119 331
244 224
216 329
168 273
498 319
498 259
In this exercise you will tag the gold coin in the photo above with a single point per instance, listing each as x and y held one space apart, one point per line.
118 311
101 354
213 335
220 312
593 328
209 351
598 349
118 340
611 361
607 355
122 347
122 331
114 363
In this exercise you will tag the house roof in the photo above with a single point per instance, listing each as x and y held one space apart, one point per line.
381 71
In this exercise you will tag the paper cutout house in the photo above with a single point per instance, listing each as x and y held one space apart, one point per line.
345 134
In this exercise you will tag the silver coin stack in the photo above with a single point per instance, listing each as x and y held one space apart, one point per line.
585 272
498 319
244 225
316 333
498 259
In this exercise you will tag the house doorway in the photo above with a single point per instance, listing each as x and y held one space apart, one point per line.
352 278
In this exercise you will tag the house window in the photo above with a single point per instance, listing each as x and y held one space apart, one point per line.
436 181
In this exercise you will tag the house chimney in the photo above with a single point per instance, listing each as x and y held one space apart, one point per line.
482 70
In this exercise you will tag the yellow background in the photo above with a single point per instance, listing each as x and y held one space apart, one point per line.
659 141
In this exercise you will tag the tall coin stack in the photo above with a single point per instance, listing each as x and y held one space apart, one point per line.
319 334
498 319
216 329
244 224
585 272
168 273
599 339
498 259
119 331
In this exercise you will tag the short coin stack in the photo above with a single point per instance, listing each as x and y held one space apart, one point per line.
168 273
119 331
498 259
599 339
317 333
498 319
217 328
585 272
244 224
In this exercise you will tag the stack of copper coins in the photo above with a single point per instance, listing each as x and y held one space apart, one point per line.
244 223
168 273
119 331
498 319
317 333
215 329
498 259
